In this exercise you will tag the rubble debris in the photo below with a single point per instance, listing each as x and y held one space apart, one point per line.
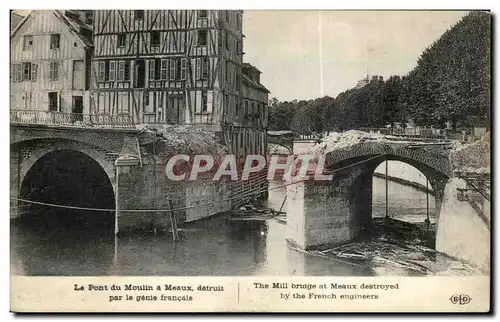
338 140
398 245
171 140
472 157
251 212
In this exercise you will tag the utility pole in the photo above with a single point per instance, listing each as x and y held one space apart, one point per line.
386 188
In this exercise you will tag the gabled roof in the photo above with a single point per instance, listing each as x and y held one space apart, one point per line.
75 26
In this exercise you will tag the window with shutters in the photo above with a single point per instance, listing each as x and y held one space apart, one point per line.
172 69
164 69
55 40
27 42
204 71
202 38
112 70
183 68
122 40
155 38
102 71
54 71
121 70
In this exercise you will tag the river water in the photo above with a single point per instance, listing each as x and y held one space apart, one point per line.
214 246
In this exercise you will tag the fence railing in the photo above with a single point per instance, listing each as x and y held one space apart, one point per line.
421 133
70 119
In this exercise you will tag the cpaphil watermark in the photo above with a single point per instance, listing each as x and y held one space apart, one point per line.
307 167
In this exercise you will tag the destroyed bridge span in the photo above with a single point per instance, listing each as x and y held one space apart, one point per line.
336 213
109 151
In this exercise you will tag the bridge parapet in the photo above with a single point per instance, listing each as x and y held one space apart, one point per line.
70 119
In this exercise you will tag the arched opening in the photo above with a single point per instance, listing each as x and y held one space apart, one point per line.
404 195
69 178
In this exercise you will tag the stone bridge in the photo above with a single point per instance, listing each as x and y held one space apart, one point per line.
332 213
101 168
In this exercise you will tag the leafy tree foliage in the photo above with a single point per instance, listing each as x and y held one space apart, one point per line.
450 84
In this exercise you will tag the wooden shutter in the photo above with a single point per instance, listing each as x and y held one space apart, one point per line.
33 72
198 68
151 69
198 102
164 69
183 69
112 70
102 71
172 69
210 100
121 70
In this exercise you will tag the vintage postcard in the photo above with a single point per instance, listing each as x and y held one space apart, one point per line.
250 161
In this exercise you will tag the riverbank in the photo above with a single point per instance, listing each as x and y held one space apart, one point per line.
405 182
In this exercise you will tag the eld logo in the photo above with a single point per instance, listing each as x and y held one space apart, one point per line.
461 299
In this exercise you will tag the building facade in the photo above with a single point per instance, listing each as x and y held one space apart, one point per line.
50 57
168 66
252 115
179 67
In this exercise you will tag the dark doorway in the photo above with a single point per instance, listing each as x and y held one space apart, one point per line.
53 101
77 111
140 73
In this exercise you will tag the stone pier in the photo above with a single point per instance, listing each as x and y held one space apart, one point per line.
328 213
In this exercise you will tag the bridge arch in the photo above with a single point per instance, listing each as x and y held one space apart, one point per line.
69 173
354 166
430 163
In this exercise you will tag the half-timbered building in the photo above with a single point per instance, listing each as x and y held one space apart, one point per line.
50 56
168 66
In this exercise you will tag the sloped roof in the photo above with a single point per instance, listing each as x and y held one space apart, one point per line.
76 27
253 84
15 19
250 66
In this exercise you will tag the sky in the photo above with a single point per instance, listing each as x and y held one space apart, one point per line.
285 46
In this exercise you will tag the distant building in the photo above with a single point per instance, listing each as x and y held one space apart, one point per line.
365 81
50 57
254 111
